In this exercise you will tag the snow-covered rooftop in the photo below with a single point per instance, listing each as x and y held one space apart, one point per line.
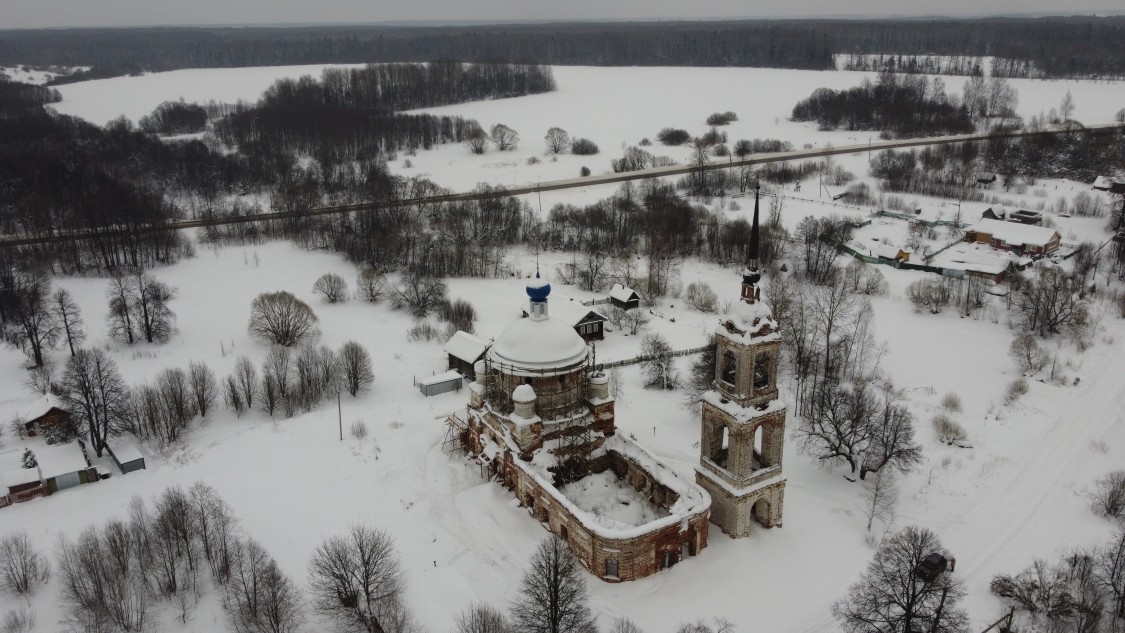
18 477
61 460
751 320
621 292
438 379
125 450
1015 233
539 345
466 347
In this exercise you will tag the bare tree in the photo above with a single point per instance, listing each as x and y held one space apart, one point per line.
96 396
881 496
216 529
1051 302
930 294
1107 499
246 379
277 381
624 625
104 585
476 140
890 596
371 284
33 326
552 597
481 618
418 292
155 320
1029 357
557 140
175 394
204 388
22 568
658 366
504 137
69 317
356 578
258 597
356 367
281 318
634 320
232 397
1066 108
120 321
700 296
332 288
1109 569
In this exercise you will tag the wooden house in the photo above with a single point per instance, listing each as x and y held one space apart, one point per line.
1027 239
623 296
463 351
52 416
992 214
589 323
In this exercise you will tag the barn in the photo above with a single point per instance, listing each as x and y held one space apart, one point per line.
464 350
1035 241
64 466
126 456
47 415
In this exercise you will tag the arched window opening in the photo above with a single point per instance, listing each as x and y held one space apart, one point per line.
762 372
730 367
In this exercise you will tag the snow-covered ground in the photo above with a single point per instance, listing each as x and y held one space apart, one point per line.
1017 494
37 76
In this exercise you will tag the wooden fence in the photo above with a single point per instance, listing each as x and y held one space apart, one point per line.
640 359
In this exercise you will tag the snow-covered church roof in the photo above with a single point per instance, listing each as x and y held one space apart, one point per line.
538 344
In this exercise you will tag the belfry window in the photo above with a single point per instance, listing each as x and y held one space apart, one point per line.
730 367
762 372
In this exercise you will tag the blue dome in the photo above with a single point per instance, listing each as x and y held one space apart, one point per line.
538 289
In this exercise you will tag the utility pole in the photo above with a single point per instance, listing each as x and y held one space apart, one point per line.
340 414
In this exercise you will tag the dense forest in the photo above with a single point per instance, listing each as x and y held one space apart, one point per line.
898 106
1052 46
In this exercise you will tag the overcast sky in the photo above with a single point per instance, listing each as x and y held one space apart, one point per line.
60 13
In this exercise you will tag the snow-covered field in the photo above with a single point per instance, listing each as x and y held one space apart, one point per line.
1017 494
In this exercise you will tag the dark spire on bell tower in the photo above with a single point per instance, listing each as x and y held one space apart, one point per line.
751 274
755 232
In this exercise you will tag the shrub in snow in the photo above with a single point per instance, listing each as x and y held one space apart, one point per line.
700 296
951 402
476 140
584 147
418 292
722 118
948 431
359 429
371 284
423 331
1107 499
332 288
721 150
1014 390
1029 357
458 313
19 620
504 137
585 171
557 140
481 618
22 568
673 136
932 295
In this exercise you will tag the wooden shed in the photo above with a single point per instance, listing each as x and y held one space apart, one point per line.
463 351
126 456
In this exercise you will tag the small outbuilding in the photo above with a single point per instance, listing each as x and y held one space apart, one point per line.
126 455
625 297
1023 216
464 350
64 466
992 214
20 484
1102 183
440 383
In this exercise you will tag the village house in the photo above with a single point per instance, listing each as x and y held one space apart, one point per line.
624 297
43 414
587 322
1034 241
64 466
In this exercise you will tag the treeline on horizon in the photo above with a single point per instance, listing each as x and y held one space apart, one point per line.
1053 46
125 186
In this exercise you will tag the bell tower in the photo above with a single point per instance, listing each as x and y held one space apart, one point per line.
743 427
